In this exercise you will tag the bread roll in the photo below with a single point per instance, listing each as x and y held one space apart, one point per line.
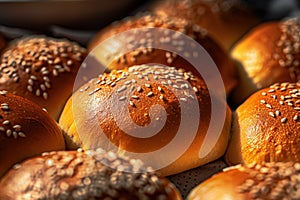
149 110
147 41
266 126
267 55
25 130
227 20
41 69
249 182
84 175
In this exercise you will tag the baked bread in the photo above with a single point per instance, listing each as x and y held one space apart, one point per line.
266 126
268 54
149 111
84 175
150 39
41 69
227 21
273 180
25 130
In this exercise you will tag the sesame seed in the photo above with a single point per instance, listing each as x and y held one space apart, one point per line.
147 85
29 88
139 89
195 89
297 108
127 82
271 114
131 103
295 118
150 94
3 92
277 112
263 101
8 133
2 128
38 92
30 82
45 95
268 106
6 122
264 93
122 98
183 99
135 97
15 134
17 127
283 120
121 89
272 90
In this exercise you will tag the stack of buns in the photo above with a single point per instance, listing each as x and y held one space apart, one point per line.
144 125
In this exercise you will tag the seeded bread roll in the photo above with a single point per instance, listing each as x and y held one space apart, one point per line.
270 53
144 40
122 109
84 175
227 20
41 69
266 126
25 130
250 182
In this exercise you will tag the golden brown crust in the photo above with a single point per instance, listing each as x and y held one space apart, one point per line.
252 182
265 126
90 110
227 20
41 69
267 55
25 130
84 175
145 55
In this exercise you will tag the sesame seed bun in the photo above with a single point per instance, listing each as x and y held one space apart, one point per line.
227 20
266 126
266 181
143 55
84 175
268 54
41 69
99 105
25 130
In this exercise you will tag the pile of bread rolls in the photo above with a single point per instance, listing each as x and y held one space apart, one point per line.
68 136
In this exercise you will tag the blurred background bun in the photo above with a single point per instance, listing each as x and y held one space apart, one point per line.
25 130
270 53
41 69
227 21
146 53
84 175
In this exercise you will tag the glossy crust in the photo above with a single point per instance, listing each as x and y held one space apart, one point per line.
84 175
89 111
145 55
252 182
26 130
227 21
41 69
266 126
267 55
